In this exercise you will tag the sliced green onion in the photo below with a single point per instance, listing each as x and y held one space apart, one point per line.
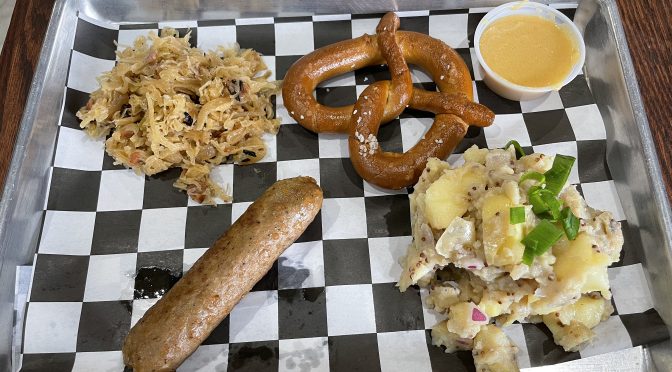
528 256
544 203
519 150
540 239
569 223
557 176
535 176
516 215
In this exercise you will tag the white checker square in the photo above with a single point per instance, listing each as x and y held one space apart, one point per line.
564 148
384 254
603 196
78 150
331 17
430 317
190 256
126 38
254 21
403 351
610 335
373 190
84 70
295 168
347 79
364 26
140 307
120 190
207 358
178 24
517 335
412 130
333 145
506 128
343 218
293 38
350 310
450 28
475 91
103 361
209 38
419 75
586 122
255 318
270 65
456 160
51 327
629 289
281 111
162 229
302 266
412 13
304 354
67 233
547 102
271 142
110 277
237 210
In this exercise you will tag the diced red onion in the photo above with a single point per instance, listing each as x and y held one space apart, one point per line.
478 316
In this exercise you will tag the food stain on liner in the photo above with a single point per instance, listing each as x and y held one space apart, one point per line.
154 282
250 355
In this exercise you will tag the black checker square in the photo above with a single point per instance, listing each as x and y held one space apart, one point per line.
295 142
302 313
397 311
59 278
139 26
283 63
576 93
542 349
388 215
346 261
465 53
416 24
258 37
260 356
546 127
268 282
205 224
336 96
389 137
498 105
354 353
459 361
95 41
475 136
339 179
313 232
327 33
472 22
370 74
56 362
645 328
569 12
592 161
632 251
252 180
108 163
220 335
116 232
160 192
74 100
103 326
73 190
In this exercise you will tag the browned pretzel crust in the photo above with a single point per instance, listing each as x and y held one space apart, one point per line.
385 100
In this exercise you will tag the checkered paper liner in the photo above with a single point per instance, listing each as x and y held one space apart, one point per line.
330 301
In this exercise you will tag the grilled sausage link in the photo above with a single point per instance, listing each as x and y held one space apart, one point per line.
177 324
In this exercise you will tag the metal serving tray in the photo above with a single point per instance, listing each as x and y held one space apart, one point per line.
630 151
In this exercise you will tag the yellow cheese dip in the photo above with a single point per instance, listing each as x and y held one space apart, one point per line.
529 50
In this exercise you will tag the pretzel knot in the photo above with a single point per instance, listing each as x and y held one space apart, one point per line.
383 101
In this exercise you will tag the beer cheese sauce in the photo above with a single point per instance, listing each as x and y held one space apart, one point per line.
529 50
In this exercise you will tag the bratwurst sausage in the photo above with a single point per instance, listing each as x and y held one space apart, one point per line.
177 324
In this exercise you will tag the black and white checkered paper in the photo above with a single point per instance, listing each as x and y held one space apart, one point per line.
330 302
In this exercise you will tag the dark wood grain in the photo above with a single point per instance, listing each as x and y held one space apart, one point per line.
647 27
17 65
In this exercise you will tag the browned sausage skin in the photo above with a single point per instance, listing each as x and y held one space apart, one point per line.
177 324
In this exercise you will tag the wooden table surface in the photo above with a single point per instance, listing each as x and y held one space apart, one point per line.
647 27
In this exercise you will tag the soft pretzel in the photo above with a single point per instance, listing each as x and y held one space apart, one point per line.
384 100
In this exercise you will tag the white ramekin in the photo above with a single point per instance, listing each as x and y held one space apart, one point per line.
506 88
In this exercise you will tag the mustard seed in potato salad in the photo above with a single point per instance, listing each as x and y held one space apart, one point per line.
166 104
502 238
